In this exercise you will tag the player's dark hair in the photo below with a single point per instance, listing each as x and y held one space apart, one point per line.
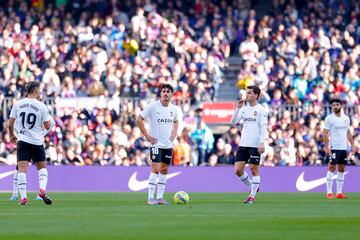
336 100
167 86
255 89
32 86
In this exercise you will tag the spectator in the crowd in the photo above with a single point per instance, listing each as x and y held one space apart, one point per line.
204 139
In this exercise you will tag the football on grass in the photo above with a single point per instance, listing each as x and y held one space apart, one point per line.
181 197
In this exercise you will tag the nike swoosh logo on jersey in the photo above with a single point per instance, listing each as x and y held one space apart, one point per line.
303 185
136 185
6 174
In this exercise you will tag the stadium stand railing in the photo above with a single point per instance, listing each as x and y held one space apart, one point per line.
56 105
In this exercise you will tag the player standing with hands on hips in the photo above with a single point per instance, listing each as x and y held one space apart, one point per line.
254 119
30 118
163 123
337 129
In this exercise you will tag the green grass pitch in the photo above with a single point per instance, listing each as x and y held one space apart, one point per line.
208 216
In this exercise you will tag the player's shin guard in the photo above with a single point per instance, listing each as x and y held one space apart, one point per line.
329 182
340 182
22 184
43 179
255 185
152 185
245 179
15 183
161 186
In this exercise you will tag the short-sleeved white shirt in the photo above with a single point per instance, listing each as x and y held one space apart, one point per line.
338 127
161 120
254 120
29 115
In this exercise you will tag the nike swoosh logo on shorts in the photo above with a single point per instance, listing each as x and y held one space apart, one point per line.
6 174
303 185
136 185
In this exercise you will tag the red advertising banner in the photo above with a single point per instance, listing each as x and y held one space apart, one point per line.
218 112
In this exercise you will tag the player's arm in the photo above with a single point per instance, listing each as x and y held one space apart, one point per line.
47 125
351 141
235 119
177 119
52 124
326 137
174 130
263 131
326 142
140 122
11 124
46 118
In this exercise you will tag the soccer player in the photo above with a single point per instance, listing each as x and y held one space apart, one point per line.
254 119
31 117
163 123
337 129
15 193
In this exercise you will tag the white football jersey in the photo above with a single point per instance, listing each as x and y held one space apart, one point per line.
29 115
255 122
161 120
338 127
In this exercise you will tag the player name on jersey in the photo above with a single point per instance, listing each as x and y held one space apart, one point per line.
29 106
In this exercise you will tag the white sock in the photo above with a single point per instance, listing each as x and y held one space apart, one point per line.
254 185
161 186
43 179
245 179
340 182
15 183
152 185
329 182
22 184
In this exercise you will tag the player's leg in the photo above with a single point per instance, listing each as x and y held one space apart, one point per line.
39 158
23 156
254 168
341 175
255 183
241 173
43 175
22 181
15 193
167 155
241 158
154 174
329 177
38 198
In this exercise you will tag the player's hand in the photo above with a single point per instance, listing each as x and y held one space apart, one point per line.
327 151
354 149
240 103
261 148
13 139
151 139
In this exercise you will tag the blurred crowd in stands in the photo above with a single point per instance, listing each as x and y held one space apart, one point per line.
301 53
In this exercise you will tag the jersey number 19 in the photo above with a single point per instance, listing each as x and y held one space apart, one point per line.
30 119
